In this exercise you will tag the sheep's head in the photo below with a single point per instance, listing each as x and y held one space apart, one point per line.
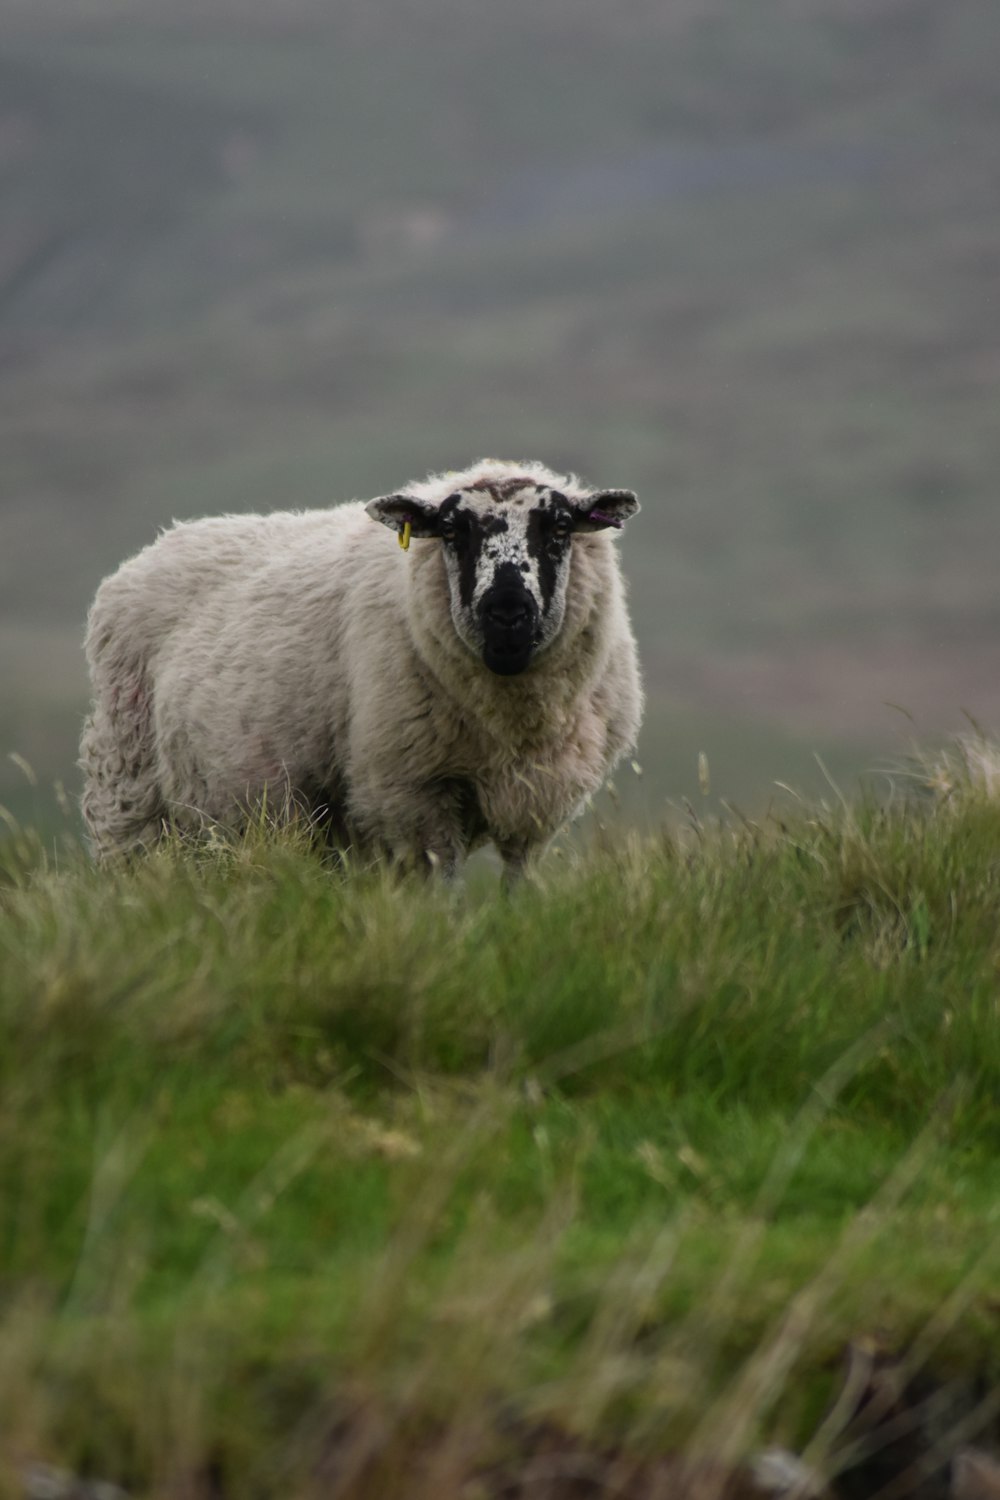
507 546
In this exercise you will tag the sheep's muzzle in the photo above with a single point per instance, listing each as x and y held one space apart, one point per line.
510 618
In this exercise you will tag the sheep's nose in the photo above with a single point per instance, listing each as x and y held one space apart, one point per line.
507 611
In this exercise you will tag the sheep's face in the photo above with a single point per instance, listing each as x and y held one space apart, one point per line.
507 549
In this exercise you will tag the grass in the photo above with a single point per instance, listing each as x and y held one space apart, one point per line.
320 1181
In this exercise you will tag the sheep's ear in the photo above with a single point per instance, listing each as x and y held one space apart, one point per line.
606 508
395 510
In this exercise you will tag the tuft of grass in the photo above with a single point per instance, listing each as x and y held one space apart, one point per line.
317 1179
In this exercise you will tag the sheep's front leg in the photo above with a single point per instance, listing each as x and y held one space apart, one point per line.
515 860
421 828
441 859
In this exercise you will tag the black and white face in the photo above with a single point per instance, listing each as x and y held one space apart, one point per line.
507 547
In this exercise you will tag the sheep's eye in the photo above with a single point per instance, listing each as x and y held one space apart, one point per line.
561 528
447 530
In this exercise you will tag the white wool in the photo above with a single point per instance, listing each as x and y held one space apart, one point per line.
305 658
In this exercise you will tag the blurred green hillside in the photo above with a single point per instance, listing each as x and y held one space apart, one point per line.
744 258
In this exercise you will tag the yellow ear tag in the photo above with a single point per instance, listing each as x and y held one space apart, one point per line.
403 537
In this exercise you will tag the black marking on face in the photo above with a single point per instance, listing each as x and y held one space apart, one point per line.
467 534
464 536
507 555
510 620
548 537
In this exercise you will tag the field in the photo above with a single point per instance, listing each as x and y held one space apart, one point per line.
315 1181
677 1169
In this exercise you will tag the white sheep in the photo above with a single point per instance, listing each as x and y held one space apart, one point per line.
478 685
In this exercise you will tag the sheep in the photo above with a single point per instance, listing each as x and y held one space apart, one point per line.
418 700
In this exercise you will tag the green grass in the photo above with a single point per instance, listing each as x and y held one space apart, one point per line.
289 1152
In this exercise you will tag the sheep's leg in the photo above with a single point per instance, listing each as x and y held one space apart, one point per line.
436 858
423 828
515 861
122 804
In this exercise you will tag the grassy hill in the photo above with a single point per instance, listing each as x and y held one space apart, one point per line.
742 258
314 1182
324 1183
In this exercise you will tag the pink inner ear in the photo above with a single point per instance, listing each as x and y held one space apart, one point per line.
602 516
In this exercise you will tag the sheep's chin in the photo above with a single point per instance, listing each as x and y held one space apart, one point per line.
507 663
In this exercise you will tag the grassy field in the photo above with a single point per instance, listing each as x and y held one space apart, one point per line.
313 1182
316 1181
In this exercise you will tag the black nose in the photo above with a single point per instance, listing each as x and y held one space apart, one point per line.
508 609
510 620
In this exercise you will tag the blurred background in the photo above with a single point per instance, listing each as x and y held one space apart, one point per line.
740 255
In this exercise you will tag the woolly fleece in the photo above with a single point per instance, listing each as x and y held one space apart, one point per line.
304 658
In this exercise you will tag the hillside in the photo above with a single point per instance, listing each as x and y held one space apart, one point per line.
313 1182
743 259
